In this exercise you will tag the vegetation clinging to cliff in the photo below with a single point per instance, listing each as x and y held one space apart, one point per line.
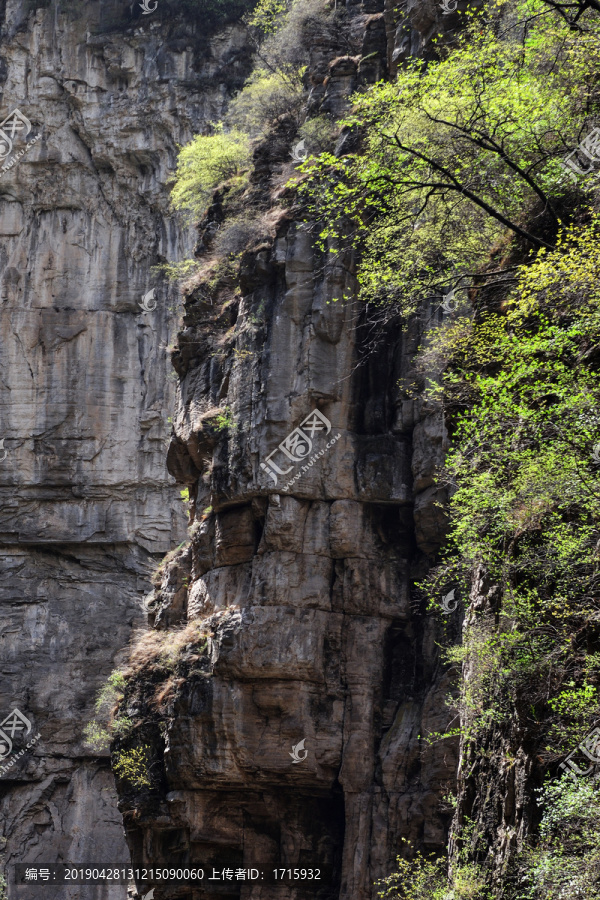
458 156
458 153
523 393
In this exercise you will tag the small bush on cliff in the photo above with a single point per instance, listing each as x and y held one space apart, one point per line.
425 878
133 766
565 864
265 97
267 15
205 163
99 732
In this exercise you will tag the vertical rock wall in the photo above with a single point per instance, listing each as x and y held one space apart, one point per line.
310 635
86 504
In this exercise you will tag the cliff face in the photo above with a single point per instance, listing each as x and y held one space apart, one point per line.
87 506
311 472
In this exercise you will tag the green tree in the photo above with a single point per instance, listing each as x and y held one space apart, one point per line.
459 152
522 393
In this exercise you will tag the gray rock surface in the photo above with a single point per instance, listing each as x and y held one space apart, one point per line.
87 507
305 594
297 600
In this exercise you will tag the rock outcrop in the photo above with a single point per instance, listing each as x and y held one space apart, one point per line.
311 467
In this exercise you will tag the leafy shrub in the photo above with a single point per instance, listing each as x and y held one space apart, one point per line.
205 163
223 420
133 766
304 23
97 736
425 878
266 96
318 134
99 732
267 15
565 864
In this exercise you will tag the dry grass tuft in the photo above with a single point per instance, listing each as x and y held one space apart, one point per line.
159 650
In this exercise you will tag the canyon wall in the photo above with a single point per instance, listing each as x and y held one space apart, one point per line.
288 730
87 507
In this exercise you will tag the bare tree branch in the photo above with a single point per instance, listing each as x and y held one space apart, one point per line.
580 6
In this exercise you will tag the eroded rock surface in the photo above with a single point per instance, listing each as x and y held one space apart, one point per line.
296 590
86 504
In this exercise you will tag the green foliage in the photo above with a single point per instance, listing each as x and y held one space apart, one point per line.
276 87
97 737
111 692
133 766
266 96
121 726
581 702
522 392
176 271
425 878
318 134
222 420
99 732
267 15
566 861
204 164
455 152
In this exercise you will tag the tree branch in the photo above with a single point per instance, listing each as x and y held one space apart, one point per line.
488 143
580 6
478 201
